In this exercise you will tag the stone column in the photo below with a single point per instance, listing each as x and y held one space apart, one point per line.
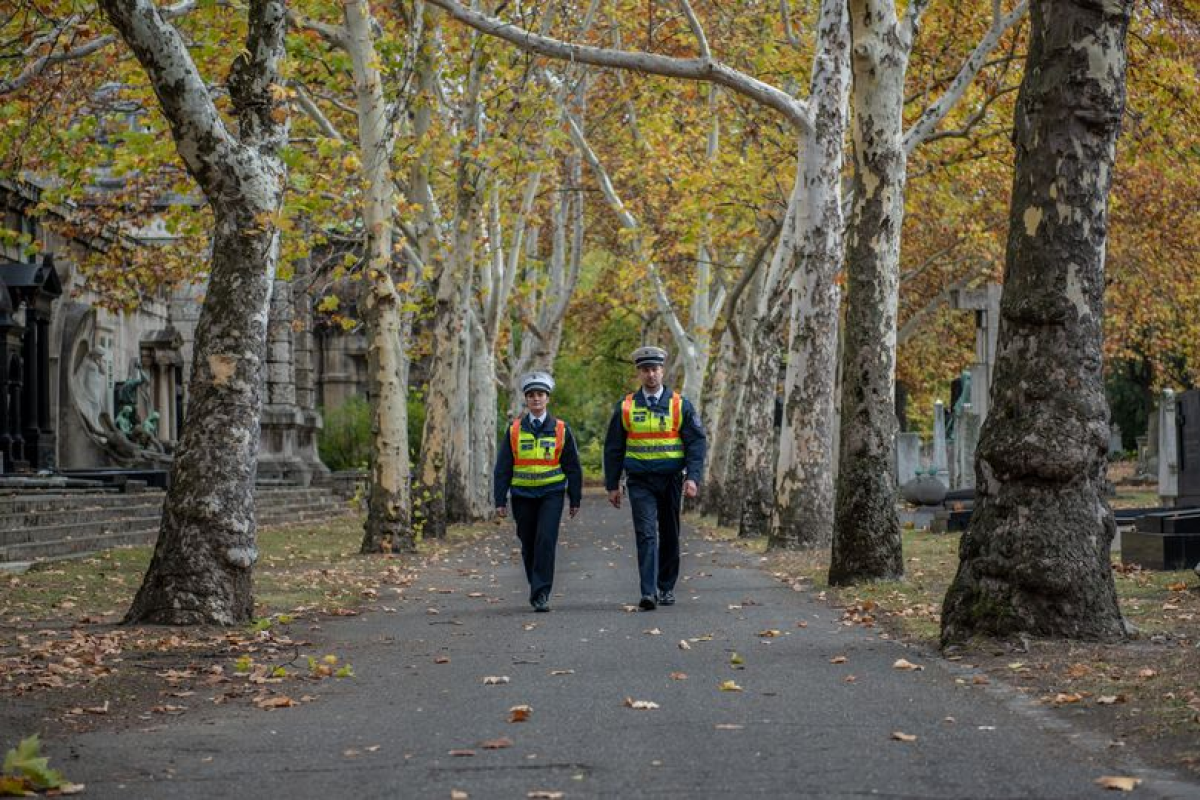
940 466
1168 450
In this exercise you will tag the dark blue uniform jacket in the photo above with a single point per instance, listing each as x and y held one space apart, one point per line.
695 445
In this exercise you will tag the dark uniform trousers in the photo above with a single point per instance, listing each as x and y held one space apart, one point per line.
656 501
537 527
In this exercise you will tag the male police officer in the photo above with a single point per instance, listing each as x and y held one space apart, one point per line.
655 437
537 460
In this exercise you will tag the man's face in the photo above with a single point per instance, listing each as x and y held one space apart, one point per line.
536 401
651 376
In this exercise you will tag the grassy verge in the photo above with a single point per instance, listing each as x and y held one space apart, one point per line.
312 566
1144 693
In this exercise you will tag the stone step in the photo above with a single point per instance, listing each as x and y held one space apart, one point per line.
76 530
80 546
42 526
79 514
34 503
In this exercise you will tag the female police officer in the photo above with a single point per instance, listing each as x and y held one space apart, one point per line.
537 461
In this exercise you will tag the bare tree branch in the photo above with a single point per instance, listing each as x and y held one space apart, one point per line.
934 114
36 67
313 111
785 13
697 29
694 69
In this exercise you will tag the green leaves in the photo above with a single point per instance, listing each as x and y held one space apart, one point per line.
25 770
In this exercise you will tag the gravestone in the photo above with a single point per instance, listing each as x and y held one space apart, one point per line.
908 457
1187 428
1168 450
939 463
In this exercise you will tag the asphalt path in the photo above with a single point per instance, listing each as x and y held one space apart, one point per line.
416 719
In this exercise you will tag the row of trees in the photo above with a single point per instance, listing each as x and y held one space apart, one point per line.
480 180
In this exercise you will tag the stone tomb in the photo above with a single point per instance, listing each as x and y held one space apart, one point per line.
1168 540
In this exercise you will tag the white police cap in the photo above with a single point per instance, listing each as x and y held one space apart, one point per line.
649 356
535 381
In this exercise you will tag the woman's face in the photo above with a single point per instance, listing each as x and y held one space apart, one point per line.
536 401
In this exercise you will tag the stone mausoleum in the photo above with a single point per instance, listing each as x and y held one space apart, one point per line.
87 390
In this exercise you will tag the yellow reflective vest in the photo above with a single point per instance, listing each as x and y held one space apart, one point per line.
536 458
650 436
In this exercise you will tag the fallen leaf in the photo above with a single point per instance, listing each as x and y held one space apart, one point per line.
372 749
980 680
462 753
838 660
729 686
1177 587
802 624
770 633
640 705
279 701
1120 783
1110 699
1066 698
519 713
493 680
1078 671
849 679
683 645
906 665
562 672
1146 672
544 794
679 676
442 660
458 794
653 632
736 659
728 726
497 744
903 737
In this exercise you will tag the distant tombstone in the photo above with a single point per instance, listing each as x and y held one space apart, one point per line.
1187 426
940 466
966 439
1115 446
1168 450
908 457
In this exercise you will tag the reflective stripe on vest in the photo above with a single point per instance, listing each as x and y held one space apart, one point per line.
650 436
535 458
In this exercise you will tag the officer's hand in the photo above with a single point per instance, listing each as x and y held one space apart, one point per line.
690 489
501 512
614 498
574 510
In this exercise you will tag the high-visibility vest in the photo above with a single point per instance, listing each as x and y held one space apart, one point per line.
652 437
535 458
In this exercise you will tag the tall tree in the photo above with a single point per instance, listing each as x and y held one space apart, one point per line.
203 562
866 532
1035 557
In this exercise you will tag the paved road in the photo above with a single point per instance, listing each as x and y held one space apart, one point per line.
799 728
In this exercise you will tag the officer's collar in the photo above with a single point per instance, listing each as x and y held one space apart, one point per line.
663 391
548 420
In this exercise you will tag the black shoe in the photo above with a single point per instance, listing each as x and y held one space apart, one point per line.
666 598
540 603
647 603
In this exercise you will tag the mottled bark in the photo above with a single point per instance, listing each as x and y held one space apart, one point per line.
718 388
803 512
388 526
756 458
866 539
201 571
483 428
1035 558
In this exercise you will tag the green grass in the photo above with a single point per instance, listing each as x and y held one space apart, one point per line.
315 565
